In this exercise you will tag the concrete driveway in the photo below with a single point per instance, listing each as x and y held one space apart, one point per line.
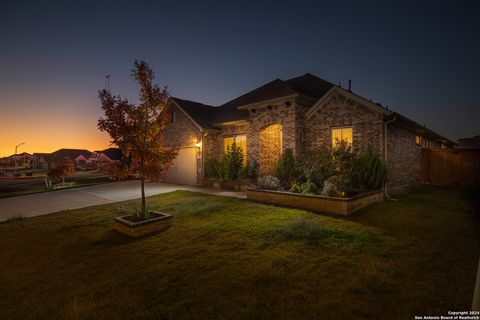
43 203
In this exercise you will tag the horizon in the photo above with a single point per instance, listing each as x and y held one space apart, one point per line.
55 57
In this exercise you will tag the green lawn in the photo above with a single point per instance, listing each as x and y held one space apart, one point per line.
227 258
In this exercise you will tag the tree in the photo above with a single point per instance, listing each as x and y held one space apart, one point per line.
138 129
65 168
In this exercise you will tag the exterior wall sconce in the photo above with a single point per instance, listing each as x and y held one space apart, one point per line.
198 145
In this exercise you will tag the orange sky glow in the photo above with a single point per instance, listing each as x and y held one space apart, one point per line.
47 127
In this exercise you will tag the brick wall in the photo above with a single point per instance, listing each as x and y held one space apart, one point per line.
281 113
367 126
270 143
184 133
403 156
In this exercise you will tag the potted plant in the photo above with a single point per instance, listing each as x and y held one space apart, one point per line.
137 130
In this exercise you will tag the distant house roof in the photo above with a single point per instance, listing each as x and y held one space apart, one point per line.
113 153
469 143
68 153
20 155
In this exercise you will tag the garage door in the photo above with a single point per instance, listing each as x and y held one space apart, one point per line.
184 167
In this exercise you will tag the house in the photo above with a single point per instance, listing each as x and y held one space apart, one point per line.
80 156
302 114
40 160
469 143
110 155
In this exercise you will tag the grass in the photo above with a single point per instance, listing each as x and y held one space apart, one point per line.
21 190
227 258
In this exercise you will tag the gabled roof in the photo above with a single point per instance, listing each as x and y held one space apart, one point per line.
68 153
209 117
113 153
307 85
201 113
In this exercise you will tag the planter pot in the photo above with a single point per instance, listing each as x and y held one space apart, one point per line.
316 203
128 225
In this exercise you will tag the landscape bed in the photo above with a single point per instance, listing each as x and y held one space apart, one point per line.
126 224
316 203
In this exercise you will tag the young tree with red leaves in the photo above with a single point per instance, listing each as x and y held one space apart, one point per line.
137 129
65 168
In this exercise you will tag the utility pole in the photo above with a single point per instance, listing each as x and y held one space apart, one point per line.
15 156
107 82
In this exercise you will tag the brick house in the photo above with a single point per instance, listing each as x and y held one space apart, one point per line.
302 114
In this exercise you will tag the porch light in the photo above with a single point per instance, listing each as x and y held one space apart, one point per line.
198 144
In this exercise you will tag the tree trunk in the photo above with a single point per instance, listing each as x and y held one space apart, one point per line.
144 209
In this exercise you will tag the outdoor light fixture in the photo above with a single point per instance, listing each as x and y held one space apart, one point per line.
198 144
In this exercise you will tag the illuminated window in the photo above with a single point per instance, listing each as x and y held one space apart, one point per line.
339 134
426 143
240 141
173 116
418 140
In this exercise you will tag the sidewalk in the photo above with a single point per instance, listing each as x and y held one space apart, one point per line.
47 202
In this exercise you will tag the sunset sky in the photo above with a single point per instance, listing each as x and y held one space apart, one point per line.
421 58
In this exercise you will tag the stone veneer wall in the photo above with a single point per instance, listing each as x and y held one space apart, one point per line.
184 133
367 126
270 141
281 113
403 156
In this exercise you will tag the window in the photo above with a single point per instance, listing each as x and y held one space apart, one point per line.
427 143
419 140
240 141
173 116
339 134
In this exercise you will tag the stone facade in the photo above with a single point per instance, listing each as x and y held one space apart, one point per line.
270 142
281 113
404 156
367 126
185 134
284 123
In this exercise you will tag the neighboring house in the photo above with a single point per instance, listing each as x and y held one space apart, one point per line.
469 143
40 160
302 114
110 155
78 155
21 159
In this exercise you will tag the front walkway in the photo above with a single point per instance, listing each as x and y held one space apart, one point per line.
43 203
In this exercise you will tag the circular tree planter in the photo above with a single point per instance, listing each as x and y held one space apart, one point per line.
131 226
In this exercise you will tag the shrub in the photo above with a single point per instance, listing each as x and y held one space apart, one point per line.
318 166
296 188
308 188
213 168
249 171
370 171
286 168
269 183
343 158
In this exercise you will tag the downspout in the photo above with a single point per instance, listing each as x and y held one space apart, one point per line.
385 148
204 134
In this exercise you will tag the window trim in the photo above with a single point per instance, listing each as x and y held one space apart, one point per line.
340 127
234 136
420 140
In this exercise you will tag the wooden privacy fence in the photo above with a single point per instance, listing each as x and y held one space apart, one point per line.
446 167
